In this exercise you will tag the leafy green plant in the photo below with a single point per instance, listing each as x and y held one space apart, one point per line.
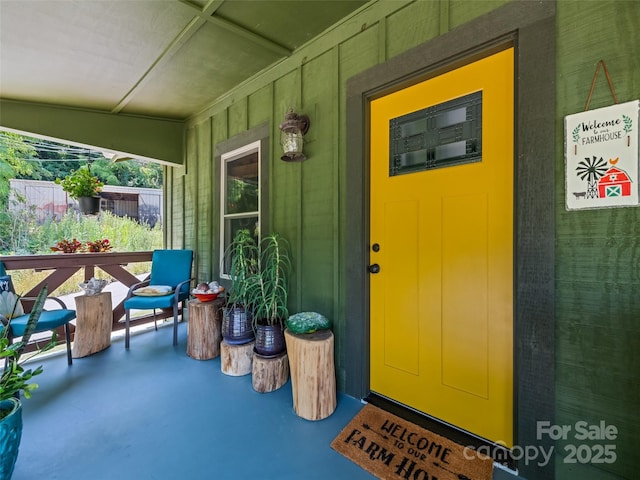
15 156
266 288
15 378
242 256
81 183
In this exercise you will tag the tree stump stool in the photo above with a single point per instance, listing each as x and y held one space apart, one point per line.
269 374
93 324
313 379
203 329
236 360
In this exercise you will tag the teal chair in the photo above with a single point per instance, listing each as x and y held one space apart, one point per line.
168 267
49 320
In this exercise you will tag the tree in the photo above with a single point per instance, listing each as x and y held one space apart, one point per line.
57 161
38 159
15 154
130 173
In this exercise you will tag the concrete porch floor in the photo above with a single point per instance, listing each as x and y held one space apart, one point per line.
154 413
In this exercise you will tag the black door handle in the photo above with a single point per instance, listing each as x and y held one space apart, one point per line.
375 268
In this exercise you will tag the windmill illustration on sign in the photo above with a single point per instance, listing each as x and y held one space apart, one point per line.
603 182
591 170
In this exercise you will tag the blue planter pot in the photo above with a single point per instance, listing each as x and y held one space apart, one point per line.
10 435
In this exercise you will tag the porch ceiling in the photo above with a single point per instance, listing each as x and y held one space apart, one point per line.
160 58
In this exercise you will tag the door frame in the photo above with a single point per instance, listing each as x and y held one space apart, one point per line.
530 28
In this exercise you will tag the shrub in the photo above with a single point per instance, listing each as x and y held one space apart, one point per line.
124 234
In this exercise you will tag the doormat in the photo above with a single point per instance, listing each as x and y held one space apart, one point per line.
390 447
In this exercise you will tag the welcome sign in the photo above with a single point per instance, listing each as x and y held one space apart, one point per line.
601 157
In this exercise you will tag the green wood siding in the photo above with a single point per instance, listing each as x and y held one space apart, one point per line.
204 203
190 214
260 105
174 201
219 132
412 26
598 252
238 117
319 182
462 12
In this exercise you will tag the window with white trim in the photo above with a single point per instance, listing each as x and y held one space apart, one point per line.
240 195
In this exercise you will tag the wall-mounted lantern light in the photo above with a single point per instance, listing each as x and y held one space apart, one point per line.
293 130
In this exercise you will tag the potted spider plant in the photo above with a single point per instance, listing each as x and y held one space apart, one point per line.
15 379
242 258
266 294
83 186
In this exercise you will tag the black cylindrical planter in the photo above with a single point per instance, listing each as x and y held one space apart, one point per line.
269 340
236 325
89 205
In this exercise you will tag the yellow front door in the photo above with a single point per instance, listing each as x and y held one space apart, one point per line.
441 307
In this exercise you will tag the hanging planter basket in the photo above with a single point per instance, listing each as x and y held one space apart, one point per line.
89 205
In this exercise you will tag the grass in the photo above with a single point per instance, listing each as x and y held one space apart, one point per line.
124 234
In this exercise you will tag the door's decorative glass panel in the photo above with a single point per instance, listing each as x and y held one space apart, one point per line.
442 135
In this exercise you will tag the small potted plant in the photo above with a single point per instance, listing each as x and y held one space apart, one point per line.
67 246
15 379
242 258
85 187
100 245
